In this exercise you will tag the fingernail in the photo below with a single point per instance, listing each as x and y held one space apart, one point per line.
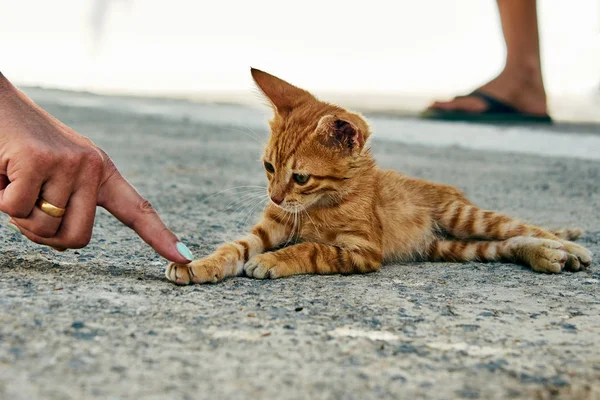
184 251
13 227
61 249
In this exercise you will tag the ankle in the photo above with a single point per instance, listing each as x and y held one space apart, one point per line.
520 85
526 70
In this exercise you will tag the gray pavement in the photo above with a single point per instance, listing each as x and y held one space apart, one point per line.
103 322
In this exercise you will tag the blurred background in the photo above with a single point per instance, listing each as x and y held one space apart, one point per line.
376 54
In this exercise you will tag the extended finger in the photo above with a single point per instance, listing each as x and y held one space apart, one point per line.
119 198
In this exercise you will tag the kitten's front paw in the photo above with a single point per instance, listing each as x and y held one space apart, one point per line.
206 270
263 266
178 273
579 258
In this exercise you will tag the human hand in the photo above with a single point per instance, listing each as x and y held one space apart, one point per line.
41 158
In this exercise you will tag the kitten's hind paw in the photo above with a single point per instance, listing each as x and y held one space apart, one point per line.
579 257
569 233
543 255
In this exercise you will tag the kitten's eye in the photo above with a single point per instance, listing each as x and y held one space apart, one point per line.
300 179
269 167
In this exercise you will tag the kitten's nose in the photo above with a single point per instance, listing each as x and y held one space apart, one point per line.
277 199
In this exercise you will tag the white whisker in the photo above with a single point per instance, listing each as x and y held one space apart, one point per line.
251 212
248 203
292 232
234 188
242 200
247 134
312 222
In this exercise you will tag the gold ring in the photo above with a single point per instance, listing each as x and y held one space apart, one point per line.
50 209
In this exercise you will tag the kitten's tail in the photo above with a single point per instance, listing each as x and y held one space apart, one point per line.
569 233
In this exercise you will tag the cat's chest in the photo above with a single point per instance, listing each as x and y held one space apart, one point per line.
315 229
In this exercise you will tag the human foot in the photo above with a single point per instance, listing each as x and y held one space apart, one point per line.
521 88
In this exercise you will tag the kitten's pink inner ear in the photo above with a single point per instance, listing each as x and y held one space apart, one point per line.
340 134
282 95
345 133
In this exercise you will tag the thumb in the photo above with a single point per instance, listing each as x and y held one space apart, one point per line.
120 199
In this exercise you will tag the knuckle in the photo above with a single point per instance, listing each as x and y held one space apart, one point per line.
87 161
42 156
145 207
17 210
93 160
76 158
44 231
78 242
71 163
110 171
74 239
142 209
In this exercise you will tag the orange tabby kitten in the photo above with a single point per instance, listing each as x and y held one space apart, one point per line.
344 215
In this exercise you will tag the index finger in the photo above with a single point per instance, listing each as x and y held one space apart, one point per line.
120 199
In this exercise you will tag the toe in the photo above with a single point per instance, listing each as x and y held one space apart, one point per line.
586 260
250 267
572 263
555 255
440 105
552 244
273 273
182 276
549 260
575 233
180 273
468 104
171 272
261 272
554 267
583 254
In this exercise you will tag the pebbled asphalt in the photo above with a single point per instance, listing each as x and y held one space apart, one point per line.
103 322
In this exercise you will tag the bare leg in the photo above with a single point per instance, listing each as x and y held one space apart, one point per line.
520 84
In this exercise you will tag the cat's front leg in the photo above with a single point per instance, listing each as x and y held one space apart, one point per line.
313 258
229 259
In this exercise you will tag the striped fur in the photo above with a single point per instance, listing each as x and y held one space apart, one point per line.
350 217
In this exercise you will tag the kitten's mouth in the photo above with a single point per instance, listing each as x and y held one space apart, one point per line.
291 208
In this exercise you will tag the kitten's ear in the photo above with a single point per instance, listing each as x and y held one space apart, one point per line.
282 95
340 134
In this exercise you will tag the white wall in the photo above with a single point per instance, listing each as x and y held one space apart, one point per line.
185 46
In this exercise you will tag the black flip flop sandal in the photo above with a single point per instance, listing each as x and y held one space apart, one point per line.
497 112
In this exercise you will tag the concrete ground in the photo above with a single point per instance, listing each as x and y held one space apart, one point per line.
103 322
